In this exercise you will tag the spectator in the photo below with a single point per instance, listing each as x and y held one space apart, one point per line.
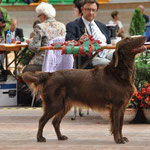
77 30
77 7
27 54
16 33
46 30
78 13
4 25
120 31
28 1
32 34
5 21
141 7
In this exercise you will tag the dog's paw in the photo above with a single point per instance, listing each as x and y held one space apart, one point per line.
41 139
63 137
120 141
125 139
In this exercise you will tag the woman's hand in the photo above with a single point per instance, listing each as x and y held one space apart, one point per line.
28 41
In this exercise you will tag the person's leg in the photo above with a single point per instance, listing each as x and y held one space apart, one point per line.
2 58
3 75
100 61
109 54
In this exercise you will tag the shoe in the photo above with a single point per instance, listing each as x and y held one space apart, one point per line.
3 78
38 103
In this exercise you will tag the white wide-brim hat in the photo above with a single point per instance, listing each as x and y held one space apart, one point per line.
47 9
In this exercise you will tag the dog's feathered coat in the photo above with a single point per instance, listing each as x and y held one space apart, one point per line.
110 88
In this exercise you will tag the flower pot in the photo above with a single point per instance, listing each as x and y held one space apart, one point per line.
129 114
147 114
140 117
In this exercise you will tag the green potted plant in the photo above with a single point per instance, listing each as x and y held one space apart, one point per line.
137 25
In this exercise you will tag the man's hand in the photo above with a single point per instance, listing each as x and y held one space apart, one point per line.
84 36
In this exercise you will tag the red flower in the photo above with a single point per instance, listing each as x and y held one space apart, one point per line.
143 90
132 99
147 99
136 93
140 97
146 84
148 90
141 105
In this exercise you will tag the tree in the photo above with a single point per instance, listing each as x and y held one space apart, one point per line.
137 25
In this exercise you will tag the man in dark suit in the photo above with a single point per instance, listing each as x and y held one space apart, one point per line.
141 7
16 33
80 28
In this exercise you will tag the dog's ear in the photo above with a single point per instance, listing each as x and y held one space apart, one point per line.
30 77
118 55
116 58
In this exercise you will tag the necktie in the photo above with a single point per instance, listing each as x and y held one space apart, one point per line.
93 31
96 37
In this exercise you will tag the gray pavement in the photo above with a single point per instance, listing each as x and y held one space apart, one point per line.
18 127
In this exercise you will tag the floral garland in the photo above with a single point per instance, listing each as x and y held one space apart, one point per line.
81 47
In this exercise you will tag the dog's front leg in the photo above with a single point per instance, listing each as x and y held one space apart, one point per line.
121 124
42 123
115 126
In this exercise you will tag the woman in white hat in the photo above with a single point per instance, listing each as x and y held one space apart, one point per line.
45 31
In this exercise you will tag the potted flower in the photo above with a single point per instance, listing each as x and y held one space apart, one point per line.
141 98
141 102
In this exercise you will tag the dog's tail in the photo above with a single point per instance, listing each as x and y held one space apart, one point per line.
34 80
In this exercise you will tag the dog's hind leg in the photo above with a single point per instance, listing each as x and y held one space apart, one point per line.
43 120
57 120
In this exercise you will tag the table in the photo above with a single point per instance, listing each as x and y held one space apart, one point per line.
5 48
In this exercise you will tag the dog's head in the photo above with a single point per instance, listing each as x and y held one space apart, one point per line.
129 47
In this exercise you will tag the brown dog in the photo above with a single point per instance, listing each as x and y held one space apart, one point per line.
110 88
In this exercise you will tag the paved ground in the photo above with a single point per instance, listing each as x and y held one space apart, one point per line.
18 129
